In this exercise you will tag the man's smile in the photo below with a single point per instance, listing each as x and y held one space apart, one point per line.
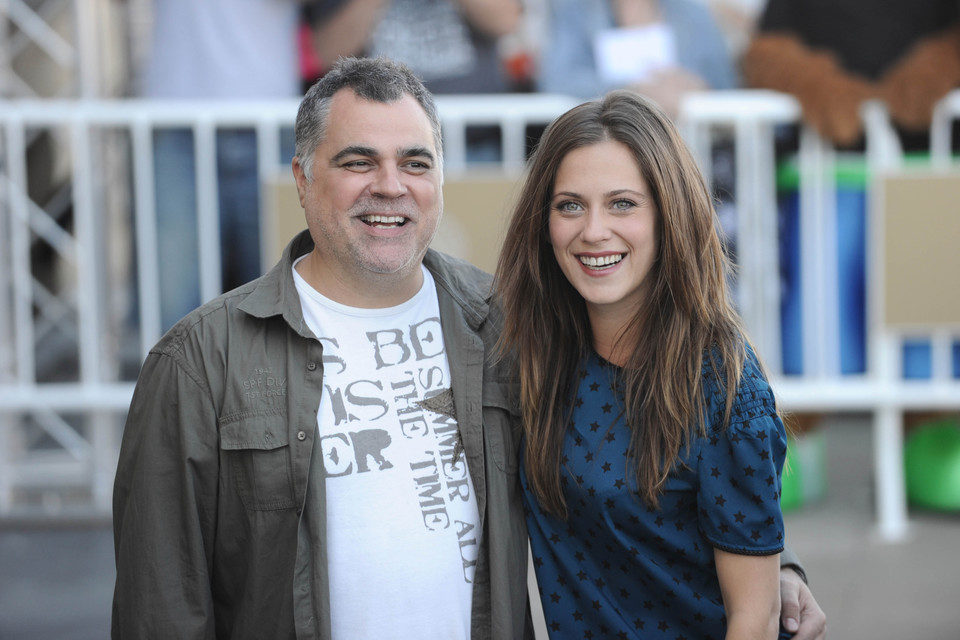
383 221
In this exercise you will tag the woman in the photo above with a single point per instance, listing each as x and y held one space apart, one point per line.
652 448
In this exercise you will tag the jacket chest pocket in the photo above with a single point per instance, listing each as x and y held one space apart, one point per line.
501 423
256 451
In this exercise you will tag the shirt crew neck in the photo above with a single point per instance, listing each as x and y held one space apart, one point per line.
304 289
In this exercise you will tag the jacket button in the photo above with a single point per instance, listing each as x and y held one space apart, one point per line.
301 435
311 366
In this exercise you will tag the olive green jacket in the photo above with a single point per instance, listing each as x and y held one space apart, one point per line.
219 512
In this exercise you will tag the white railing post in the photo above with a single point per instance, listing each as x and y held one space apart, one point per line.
145 216
883 153
208 208
757 245
944 113
818 265
513 137
20 240
768 285
454 145
89 303
268 164
87 59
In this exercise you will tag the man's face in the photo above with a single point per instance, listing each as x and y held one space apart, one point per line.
374 202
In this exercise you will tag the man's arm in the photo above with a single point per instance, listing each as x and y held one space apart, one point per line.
164 507
343 27
492 18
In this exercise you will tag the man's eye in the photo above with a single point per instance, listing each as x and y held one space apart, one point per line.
357 164
417 165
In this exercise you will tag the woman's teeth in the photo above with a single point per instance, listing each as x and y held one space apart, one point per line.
602 261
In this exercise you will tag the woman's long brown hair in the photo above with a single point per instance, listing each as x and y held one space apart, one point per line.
687 323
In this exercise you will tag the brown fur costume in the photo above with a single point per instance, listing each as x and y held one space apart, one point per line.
830 96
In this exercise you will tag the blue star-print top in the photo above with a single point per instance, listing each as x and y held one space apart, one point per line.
620 569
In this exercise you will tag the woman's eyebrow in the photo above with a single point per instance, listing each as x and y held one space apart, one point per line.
617 192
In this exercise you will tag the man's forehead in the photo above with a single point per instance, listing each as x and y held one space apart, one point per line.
353 119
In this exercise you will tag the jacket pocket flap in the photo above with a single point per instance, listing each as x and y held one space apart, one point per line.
263 433
503 395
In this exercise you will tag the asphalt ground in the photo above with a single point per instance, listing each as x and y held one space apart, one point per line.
56 582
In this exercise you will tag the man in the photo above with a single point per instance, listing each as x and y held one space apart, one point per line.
326 452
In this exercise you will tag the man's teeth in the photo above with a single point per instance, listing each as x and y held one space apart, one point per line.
602 261
386 220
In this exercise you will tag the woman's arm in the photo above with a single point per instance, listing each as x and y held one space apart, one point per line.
751 594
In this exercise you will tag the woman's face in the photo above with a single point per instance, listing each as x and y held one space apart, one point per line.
603 228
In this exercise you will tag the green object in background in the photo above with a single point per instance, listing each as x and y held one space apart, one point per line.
791 481
804 478
931 460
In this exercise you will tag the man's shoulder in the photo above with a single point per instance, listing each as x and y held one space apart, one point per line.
210 322
459 276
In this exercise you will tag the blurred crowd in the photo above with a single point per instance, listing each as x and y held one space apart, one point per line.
831 54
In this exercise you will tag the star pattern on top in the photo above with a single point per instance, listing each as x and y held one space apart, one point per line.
619 568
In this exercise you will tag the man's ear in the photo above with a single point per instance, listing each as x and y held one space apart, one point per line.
301 179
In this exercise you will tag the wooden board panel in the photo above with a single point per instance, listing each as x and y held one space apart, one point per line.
919 217
476 208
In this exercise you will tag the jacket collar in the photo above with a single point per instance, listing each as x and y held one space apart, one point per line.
275 292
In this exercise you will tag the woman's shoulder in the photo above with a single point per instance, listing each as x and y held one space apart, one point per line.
754 396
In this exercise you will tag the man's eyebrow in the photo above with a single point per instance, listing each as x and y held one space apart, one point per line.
354 150
416 152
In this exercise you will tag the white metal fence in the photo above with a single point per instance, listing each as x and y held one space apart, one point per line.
58 437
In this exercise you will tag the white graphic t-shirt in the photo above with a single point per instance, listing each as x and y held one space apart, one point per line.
402 534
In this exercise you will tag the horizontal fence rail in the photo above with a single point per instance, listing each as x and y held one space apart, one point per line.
57 433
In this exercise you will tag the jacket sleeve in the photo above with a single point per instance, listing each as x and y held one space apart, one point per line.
789 560
165 505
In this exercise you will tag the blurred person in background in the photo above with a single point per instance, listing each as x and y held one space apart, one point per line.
220 50
659 48
834 54
738 20
450 44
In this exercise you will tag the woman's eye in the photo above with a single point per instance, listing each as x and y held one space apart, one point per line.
568 206
623 205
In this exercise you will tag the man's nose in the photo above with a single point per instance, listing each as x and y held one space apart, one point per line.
388 182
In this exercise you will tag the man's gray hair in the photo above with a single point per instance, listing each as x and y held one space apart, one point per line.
377 79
